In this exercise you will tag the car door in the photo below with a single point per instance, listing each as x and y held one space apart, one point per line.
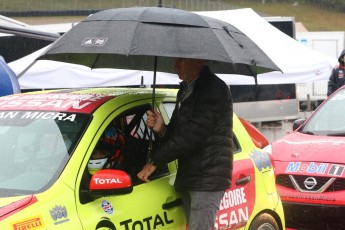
153 205
238 201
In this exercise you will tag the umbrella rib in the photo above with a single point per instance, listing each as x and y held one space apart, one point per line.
254 72
136 28
94 63
153 107
228 32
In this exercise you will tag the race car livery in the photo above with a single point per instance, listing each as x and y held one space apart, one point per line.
310 168
52 142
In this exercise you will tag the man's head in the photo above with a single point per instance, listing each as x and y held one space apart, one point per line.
341 57
189 69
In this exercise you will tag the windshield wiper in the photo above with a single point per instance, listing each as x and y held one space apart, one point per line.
340 134
307 132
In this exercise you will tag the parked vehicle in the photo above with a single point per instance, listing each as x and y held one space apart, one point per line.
47 139
310 168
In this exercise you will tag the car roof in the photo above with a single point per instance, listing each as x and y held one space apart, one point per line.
85 100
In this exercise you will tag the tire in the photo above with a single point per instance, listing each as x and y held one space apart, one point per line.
264 222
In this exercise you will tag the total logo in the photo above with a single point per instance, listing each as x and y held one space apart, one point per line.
107 181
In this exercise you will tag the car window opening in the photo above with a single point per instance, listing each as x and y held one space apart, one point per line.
132 124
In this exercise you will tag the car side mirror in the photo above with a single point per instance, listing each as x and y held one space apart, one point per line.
297 123
110 182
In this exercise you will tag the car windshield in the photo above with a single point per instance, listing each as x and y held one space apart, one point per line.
35 146
329 119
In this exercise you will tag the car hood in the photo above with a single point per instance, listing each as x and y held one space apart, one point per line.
303 147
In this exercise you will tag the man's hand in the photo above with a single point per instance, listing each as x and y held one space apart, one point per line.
156 122
147 170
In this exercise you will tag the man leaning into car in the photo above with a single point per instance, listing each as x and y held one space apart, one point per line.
199 136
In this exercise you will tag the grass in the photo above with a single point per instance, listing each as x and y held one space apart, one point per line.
314 18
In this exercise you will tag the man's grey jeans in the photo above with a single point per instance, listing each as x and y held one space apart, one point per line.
201 208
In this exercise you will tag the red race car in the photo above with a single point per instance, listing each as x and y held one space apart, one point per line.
310 168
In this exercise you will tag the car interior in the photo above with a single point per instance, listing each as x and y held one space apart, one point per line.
135 152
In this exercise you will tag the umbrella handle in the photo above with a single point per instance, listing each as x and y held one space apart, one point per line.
149 150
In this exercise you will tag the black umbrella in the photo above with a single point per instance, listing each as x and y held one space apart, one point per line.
132 38
151 38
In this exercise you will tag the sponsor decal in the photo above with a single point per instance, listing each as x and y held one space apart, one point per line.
336 170
29 223
107 181
233 209
38 115
151 222
16 206
59 214
94 41
54 102
314 197
261 159
315 168
107 207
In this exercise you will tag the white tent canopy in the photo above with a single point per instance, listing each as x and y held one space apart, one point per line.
46 74
299 63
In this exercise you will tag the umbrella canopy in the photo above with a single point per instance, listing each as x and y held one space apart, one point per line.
133 38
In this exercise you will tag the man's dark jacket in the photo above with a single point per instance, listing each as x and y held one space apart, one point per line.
337 78
199 135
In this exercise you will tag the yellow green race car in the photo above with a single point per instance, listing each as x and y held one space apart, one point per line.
50 177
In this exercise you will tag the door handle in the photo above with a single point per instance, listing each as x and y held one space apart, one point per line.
172 204
243 180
